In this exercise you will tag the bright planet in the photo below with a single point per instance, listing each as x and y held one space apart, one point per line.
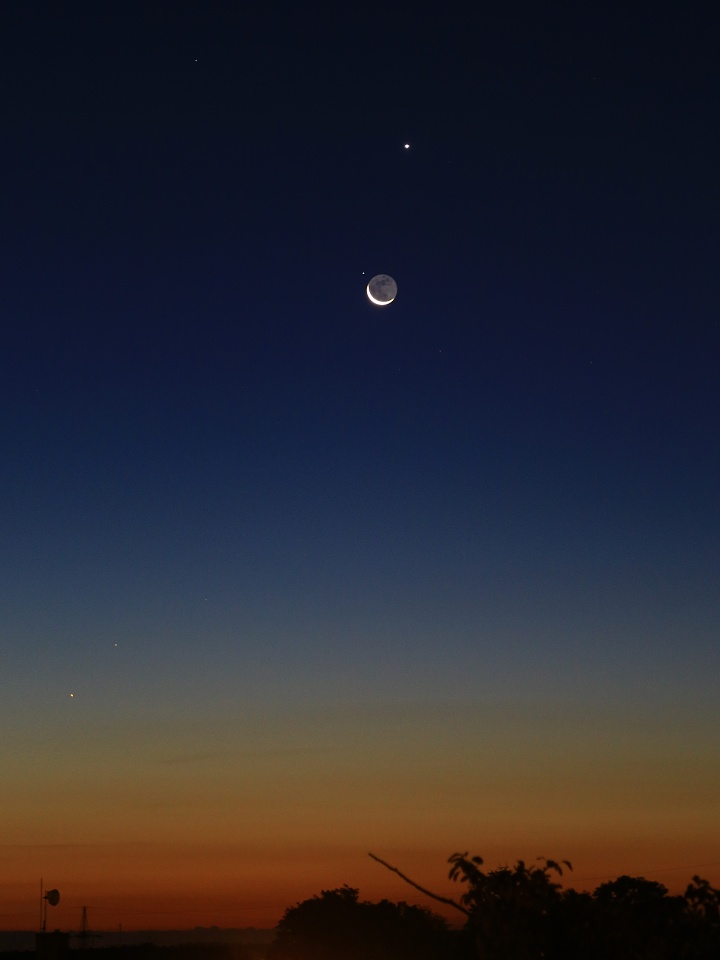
382 290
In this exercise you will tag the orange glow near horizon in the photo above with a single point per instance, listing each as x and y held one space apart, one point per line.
174 887
203 824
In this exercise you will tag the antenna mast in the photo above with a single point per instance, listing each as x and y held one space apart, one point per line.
51 897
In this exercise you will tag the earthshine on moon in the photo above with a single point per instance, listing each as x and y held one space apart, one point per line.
382 290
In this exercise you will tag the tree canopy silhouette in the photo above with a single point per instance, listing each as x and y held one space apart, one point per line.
522 913
338 925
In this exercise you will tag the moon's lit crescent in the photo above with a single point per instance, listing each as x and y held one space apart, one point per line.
380 303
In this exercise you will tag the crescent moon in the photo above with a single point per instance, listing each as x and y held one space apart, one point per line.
385 286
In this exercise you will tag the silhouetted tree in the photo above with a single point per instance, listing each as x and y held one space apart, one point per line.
702 912
513 912
337 926
637 919
703 901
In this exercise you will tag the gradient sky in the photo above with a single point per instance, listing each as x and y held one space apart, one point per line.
287 578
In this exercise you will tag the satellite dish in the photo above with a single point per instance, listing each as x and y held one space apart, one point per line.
52 897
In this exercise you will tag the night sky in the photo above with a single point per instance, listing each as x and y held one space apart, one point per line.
287 577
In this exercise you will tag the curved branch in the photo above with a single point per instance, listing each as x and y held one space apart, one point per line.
428 893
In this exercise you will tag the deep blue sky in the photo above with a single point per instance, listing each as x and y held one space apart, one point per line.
220 457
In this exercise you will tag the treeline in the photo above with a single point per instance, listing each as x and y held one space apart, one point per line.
510 913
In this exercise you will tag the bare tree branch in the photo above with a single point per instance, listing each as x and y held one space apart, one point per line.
428 893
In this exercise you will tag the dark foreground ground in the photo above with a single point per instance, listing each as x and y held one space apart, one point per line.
151 951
